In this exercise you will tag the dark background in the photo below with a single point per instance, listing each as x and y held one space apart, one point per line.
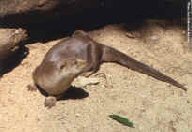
41 27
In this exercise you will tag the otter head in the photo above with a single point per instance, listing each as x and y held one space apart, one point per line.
56 77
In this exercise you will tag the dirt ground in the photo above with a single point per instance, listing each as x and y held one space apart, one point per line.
152 105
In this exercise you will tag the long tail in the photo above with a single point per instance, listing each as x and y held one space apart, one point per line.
113 55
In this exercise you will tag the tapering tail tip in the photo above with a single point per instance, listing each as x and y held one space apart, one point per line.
182 87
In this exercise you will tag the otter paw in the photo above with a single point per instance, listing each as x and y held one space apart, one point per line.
31 88
50 102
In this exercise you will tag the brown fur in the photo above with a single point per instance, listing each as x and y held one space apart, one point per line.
80 55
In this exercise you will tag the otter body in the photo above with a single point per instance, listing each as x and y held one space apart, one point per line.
82 55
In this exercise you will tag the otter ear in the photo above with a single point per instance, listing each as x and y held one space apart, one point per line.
80 33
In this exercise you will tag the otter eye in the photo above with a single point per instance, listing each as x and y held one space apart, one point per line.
62 65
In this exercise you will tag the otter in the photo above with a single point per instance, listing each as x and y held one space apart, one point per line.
81 55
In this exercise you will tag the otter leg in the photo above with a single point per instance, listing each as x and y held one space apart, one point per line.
90 70
94 59
50 101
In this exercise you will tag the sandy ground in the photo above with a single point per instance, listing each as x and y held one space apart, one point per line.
152 105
